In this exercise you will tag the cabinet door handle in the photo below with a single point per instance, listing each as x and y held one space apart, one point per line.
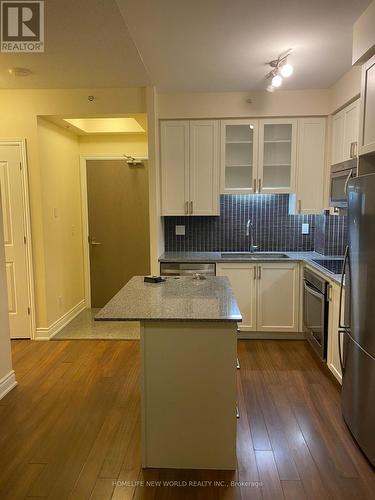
191 208
259 272
329 293
255 185
255 272
259 185
355 148
299 206
186 207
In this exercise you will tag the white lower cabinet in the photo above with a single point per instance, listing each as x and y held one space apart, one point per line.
333 355
278 297
267 294
243 279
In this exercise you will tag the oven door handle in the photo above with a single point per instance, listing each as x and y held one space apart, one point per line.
312 291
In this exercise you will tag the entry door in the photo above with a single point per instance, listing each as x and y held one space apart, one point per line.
12 204
118 220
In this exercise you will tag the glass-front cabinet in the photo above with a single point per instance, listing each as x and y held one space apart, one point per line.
277 156
258 156
239 154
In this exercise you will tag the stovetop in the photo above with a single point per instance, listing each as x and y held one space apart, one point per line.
332 265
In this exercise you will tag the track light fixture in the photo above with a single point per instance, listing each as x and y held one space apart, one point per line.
280 69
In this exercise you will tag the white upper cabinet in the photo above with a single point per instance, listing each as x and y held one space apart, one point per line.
189 159
351 130
345 132
311 165
337 147
367 122
277 155
174 156
204 167
239 151
258 156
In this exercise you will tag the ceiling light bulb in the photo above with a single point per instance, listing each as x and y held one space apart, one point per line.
270 88
286 70
277 81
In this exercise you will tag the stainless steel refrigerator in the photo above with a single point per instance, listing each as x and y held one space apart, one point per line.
358 323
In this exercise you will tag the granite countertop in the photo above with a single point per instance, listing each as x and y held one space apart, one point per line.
205 257
181 298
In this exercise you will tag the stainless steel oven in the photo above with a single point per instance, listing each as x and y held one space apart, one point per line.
315 312
339 179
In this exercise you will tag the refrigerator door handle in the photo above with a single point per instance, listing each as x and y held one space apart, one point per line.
347 181
346 256
342 365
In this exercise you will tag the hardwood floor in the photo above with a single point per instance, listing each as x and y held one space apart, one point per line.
71 429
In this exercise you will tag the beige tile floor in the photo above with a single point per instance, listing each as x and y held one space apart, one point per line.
84 327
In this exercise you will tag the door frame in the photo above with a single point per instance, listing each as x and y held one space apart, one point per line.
83 159
21 143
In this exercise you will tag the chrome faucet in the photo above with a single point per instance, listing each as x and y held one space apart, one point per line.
250 232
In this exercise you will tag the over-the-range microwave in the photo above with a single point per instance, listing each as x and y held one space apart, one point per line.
340 177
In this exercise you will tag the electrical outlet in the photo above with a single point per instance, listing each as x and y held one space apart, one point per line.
180 230
305 228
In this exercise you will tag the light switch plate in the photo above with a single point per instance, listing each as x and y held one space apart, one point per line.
305 228
180 230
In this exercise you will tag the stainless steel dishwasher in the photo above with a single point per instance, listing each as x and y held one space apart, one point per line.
187 269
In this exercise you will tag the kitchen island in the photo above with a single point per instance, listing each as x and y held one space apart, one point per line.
188 369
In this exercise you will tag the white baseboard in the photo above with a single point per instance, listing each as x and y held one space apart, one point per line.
7 383
49 332
246 335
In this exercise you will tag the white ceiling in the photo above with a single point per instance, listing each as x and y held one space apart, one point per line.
192 45
86 45
223 45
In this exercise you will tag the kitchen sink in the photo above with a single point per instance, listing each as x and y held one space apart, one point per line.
254 255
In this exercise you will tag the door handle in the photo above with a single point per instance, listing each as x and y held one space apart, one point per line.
259 272
93 242
191 208
254 185
259 185
186 207
255 272
299 206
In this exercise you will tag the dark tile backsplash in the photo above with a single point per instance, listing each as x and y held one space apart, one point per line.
331 234
274 228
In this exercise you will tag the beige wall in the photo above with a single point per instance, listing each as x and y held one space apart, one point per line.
19 112
5 354
235 104
61 214
346 89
